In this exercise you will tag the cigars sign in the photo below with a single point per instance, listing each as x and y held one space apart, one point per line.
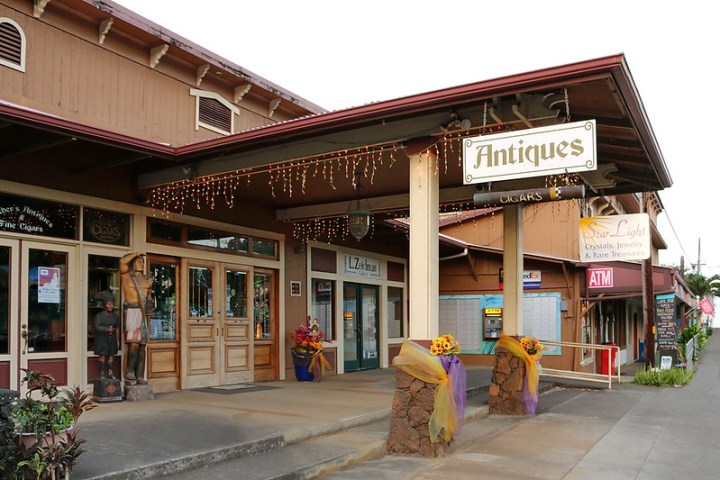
554 150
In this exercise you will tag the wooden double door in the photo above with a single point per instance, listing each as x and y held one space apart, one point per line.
229 324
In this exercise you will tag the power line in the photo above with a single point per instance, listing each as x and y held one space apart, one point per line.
667 214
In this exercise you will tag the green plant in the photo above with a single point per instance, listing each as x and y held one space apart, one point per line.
687 334
674 377
52 421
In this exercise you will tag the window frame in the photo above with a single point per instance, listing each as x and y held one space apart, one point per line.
23 44
234 110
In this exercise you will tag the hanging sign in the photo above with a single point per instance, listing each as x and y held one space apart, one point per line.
615 238
535 195
553 150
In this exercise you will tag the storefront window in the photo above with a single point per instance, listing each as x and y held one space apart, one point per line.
262 287
200 292
217 240
236 294
163 324
38 217
4 298
264 247
103 284
323 306
164 231
47 302
395 312
110 228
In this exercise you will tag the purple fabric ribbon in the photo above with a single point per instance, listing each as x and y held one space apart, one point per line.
528 402
456 371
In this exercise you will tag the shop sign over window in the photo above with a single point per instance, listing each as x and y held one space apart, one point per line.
38 217
362 267
553 150
615 238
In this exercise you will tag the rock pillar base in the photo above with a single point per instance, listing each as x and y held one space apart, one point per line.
413 403
506 385
139 393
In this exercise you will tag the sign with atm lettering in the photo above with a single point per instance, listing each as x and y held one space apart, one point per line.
600 277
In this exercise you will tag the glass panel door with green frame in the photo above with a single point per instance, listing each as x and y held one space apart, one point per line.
360 326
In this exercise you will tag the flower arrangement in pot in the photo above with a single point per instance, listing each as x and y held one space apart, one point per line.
307 351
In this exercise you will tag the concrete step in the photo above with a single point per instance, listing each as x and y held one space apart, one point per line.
314 456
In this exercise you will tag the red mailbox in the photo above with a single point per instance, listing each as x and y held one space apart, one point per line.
611 354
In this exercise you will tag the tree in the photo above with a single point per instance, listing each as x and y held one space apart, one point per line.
703 286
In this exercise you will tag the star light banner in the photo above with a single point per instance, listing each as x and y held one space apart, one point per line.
553 150
615 238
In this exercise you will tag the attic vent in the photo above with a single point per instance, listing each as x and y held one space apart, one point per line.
12 45
214 112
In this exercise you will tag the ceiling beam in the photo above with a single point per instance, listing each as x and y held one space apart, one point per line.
377 204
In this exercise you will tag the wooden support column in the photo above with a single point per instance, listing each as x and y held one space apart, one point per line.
512 269
424 248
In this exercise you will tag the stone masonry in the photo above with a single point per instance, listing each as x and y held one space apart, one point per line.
412 406
506 385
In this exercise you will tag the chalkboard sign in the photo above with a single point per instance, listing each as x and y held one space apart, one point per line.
665 322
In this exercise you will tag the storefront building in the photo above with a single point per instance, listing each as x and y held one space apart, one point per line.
238 191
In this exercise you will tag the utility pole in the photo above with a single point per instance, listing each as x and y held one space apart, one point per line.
648 300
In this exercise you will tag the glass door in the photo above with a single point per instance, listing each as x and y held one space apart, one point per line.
202 356
265 342
360 326
49 325
236 326
9 325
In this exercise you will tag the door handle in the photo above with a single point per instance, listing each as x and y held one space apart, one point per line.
24 335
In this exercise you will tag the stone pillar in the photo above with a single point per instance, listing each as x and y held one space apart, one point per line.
507 384
413 403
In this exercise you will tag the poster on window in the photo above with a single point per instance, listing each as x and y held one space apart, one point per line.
48 285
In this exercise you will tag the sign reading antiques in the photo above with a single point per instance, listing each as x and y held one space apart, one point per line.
615 238
553 150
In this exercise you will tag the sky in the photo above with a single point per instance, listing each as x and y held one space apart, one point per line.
340 54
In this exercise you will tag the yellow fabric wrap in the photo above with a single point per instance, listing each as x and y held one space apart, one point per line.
532 371
417 362
319 362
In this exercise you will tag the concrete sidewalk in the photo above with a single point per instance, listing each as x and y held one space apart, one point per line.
308 429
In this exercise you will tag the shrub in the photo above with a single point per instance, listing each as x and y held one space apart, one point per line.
674 377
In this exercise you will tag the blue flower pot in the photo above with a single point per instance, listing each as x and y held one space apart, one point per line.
302 374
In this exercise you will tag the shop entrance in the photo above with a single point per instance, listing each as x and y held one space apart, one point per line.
216 324
38 321
360 326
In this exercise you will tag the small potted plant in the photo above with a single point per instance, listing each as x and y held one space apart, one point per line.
47 426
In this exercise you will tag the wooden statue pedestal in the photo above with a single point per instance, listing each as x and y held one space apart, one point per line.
107 390
138 392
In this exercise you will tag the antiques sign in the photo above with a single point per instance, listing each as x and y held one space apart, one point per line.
615 238
553 150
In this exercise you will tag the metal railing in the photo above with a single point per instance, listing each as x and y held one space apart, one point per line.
585 376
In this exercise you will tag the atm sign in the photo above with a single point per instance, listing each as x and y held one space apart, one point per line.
600 277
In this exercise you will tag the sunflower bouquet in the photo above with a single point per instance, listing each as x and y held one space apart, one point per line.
446 346
532 345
